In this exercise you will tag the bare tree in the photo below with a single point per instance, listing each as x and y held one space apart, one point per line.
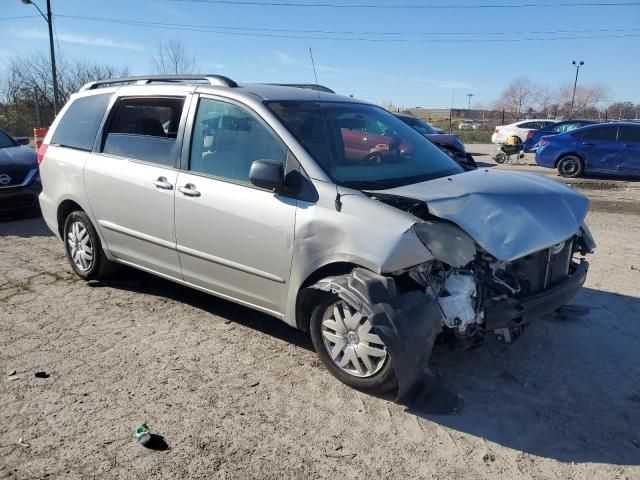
27 87
623 110
172 59
519 97
589 99
390 106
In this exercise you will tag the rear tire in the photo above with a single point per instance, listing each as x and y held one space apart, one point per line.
374 375
570 166
83 248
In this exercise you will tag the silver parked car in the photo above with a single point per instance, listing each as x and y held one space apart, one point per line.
324 211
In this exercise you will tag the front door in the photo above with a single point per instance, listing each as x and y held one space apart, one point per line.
600 149
629 137
131 182
233 239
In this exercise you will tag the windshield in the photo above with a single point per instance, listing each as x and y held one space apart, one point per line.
6 141
419 125
363 146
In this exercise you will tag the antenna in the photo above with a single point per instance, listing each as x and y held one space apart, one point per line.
315 74
338 201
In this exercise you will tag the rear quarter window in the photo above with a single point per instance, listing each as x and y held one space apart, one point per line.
79 125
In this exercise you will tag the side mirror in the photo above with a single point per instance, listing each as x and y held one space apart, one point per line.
22 140
267 174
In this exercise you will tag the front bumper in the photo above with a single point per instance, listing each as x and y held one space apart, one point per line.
512 312
20 198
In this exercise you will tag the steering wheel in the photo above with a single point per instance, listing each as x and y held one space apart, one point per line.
372 157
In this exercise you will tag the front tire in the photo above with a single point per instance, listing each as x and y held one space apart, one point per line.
83 248
570 167
349 348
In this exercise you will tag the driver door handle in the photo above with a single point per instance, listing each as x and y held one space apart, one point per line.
162 183
189 190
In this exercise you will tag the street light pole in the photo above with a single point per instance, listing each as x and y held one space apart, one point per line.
469 95
54 75
575 84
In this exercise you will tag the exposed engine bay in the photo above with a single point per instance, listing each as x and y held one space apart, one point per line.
476 292
467 295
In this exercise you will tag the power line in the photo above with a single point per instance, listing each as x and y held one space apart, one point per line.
263 3
343 32
18 18
254 33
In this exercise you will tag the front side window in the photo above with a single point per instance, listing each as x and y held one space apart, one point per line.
629 134
227 139
566 127
79 125
363 146
145 129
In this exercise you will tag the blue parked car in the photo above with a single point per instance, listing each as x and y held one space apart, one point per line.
534 136
612 148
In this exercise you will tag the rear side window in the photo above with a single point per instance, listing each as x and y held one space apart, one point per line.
80 123
630 134
144 129
601 134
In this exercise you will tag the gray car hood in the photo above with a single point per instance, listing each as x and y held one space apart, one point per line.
508 214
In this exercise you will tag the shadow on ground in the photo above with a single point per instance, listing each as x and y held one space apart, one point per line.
565 390
24 226
137 281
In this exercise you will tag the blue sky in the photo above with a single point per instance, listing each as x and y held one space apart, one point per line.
425 67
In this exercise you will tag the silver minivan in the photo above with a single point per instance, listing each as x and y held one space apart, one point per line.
326 212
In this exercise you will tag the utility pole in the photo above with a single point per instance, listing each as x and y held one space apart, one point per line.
575 84
54 75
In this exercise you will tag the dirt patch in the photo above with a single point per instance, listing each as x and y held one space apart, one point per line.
236 394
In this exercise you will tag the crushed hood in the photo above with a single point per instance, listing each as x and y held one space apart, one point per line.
509 214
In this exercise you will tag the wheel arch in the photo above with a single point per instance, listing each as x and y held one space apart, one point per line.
306 297
64 209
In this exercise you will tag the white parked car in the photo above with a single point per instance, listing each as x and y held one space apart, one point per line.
519 129
466 125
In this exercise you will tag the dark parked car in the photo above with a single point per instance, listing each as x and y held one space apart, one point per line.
612 148
19 178
451 144
534 136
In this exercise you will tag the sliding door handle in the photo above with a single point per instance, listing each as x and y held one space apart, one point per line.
162 183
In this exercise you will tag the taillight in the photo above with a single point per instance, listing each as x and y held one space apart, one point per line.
529 134
544 142
41 151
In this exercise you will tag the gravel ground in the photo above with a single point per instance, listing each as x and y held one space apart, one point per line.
236 394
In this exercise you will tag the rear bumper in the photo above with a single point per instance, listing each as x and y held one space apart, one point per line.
19 199
513 312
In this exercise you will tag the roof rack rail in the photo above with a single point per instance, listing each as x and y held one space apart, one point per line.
217 80
308 86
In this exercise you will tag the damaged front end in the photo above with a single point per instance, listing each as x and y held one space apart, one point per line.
462 290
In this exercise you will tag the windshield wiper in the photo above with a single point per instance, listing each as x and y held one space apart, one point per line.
370 184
